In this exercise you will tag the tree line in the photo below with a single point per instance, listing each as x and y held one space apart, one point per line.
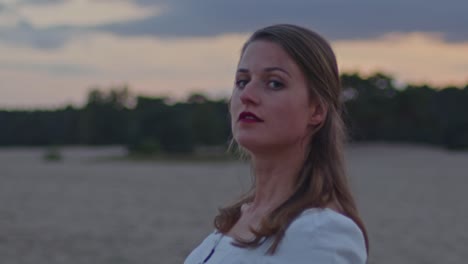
376 110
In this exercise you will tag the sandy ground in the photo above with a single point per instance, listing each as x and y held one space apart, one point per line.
413 200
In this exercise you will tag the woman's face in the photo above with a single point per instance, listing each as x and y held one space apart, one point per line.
269 85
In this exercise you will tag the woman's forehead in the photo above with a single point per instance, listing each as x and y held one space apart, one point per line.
265 54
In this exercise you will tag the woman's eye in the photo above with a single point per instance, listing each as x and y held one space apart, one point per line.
275 84
241 83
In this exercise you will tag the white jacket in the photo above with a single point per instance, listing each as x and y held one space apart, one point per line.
316 236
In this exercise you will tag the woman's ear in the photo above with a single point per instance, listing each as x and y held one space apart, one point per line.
318 113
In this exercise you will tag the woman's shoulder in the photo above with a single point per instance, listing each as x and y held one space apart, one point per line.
326 235
324 219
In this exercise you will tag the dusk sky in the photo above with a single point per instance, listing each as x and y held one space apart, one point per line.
53 51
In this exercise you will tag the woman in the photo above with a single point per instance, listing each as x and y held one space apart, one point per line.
286 116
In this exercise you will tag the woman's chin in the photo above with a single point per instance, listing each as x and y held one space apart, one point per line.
252 144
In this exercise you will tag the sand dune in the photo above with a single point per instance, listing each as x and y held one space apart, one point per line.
413 200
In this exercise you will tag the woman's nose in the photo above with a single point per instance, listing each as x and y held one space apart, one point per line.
249 95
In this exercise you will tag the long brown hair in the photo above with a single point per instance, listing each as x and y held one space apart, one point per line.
322 179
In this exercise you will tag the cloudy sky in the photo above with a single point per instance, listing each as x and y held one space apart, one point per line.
53 51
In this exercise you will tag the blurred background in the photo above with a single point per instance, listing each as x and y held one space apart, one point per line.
114 123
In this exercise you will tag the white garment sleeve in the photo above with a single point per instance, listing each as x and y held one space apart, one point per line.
321 238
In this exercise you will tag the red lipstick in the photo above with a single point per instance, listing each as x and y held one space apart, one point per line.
249 117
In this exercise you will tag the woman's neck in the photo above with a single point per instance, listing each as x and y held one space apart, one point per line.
275 177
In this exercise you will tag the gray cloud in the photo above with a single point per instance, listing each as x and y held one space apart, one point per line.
337 19
25 34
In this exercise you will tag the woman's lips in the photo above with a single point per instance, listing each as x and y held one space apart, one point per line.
249 117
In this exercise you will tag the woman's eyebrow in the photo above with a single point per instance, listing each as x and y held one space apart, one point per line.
268 69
